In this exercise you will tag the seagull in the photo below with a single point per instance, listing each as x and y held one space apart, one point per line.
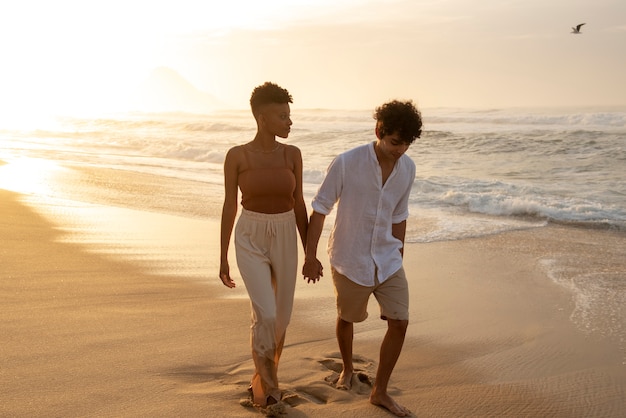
576 29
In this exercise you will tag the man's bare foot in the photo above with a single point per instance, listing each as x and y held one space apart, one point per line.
345 380
387 402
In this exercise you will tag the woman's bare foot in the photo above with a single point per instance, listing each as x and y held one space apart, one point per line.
276 409
387 402
345 380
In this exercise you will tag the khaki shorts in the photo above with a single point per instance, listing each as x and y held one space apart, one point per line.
352 299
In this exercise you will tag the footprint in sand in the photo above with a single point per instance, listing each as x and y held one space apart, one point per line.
362 379
324 390
274 410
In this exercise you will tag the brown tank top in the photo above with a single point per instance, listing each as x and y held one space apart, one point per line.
269 188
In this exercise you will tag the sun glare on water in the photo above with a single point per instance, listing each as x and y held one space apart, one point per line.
28 175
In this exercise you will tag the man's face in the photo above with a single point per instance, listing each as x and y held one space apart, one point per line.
392 146
276 119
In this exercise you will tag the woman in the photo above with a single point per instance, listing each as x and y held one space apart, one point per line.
269 175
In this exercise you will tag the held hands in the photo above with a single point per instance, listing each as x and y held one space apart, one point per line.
312 270
225 275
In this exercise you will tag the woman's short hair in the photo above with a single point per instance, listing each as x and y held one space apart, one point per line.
268 93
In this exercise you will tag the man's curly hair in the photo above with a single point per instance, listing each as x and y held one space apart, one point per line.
399 117
268 93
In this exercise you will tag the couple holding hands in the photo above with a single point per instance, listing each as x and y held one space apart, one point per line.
370 187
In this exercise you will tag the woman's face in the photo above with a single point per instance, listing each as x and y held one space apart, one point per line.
275 118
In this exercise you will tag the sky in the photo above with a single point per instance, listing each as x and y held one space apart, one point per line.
77 55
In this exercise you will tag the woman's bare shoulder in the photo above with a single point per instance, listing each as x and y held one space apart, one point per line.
235 152
235 157
292 150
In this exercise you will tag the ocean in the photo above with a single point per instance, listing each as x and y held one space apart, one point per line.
479 172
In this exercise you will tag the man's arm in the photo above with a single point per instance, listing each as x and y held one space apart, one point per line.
399 231
312 269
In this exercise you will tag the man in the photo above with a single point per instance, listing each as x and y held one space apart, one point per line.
371 185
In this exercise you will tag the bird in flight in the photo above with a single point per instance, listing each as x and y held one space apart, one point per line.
576 29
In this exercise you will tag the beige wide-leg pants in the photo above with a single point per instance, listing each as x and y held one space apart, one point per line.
267 256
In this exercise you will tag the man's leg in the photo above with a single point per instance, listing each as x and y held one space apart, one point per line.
345 337
389 353
351 301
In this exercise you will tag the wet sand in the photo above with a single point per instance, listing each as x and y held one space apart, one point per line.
491 333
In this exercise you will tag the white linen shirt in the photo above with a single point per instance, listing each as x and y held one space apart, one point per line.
361 245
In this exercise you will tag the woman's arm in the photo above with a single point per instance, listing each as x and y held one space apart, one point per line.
229 212
300 211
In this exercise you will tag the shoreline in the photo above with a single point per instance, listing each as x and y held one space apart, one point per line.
491 333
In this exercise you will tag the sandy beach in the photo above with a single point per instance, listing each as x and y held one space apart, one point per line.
125 125
490 334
